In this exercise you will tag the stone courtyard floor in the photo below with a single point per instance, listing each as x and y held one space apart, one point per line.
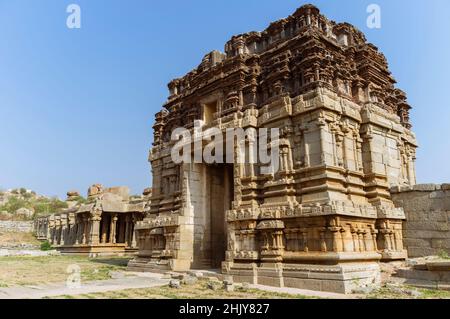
106 278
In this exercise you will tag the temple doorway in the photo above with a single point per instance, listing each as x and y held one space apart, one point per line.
213 193
221 190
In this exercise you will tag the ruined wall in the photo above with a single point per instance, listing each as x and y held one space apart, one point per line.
427 228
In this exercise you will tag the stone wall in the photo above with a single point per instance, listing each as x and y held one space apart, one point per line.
16 226
427 207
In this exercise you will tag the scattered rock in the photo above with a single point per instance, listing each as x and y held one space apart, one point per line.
445 187
245 285
197 274
228 284
175 284
190 281
178 276
215 285
229 288
414 293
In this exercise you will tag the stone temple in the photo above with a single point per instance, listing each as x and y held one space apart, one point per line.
103 225
325 219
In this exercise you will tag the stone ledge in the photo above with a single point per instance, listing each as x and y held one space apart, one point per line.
420 188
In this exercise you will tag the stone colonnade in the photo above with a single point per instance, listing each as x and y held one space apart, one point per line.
86 229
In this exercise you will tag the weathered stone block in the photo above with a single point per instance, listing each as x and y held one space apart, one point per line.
414 252
428 225
417 242
441 243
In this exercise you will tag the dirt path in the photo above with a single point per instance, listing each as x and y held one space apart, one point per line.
307 293
53 290
130 281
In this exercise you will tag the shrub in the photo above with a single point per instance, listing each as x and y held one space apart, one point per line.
443 254
46 246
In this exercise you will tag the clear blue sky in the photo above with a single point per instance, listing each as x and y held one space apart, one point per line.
77 106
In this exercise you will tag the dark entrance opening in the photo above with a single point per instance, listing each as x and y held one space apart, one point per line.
221 195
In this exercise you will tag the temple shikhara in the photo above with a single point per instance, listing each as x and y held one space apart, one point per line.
325 219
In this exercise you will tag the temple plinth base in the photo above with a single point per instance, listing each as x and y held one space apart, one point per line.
142 264
96 250
342 278
394 255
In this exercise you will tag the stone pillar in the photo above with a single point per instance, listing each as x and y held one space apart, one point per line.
77 232
322 124
133 241
104 235
95 230
133 230
127 230
112 238
86 225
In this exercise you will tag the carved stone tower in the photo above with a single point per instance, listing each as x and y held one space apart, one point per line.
326 218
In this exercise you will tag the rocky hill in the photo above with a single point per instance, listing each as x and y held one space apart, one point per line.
23 204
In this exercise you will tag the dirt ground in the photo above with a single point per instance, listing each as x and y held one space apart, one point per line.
198 291
41 272
22 271
201 291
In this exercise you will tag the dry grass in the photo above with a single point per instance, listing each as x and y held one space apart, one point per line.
27 271
389 293
198 291
12 238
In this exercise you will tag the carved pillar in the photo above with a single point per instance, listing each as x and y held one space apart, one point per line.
345 130
323 243
86 230
374 238
359 159
304 234
355 239
322 124
127 230
114 219
335 231
64 230
95 229
272 234
339 149
78 233
134 220
104 228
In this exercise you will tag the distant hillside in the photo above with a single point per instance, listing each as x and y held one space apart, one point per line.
23 204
